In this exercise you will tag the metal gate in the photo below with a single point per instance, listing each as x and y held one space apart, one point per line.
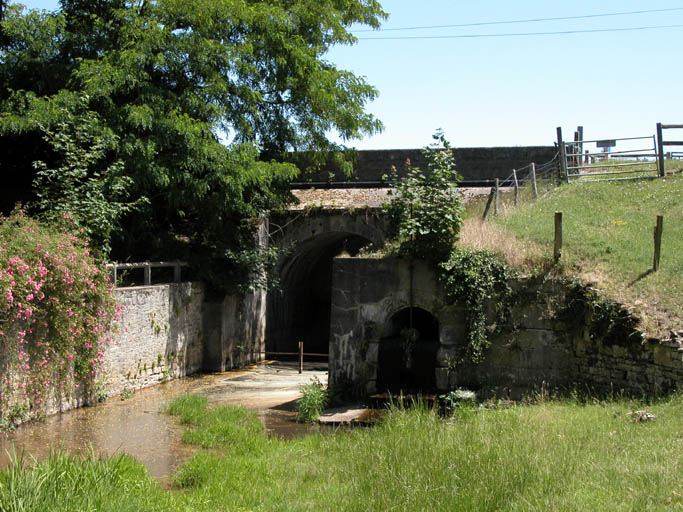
595 159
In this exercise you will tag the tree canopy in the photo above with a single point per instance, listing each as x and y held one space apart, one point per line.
191 106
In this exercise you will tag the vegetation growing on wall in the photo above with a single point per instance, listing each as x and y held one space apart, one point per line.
475 277
55 311
426 215
426 211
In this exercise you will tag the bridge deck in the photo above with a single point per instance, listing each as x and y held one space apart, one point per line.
358 198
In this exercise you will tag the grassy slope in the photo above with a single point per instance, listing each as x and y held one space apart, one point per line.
607 231
560 456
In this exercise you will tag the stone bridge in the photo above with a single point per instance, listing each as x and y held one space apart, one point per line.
356 310
300 309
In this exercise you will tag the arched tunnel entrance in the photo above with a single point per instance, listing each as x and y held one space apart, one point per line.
300 309
407 352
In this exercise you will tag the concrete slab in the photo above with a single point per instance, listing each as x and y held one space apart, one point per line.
346 414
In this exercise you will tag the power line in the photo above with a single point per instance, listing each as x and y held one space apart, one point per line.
531 20
517 34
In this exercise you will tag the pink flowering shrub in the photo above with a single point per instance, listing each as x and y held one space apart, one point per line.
55 311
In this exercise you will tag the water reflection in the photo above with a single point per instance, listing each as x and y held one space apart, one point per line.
136 426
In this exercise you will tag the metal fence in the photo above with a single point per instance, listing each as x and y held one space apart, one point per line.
661 142
538 178
595 159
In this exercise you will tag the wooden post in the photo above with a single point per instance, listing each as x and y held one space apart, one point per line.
514 173
533 180
176 274
563 156
579 130
495 199
301 357
488 203
557 247
148 274
660 149
658 242
115 276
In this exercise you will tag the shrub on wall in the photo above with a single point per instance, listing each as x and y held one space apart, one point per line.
425 210
55 311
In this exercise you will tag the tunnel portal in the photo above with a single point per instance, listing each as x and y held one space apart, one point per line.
300 309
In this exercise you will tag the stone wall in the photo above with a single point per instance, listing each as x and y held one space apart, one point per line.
173 330
158 337
545 344
471 163
234 331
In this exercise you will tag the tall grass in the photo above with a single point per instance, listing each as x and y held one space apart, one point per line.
608 239
64 482
560 456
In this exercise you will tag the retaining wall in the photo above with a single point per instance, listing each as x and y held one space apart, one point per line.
542 346
173 330
158 337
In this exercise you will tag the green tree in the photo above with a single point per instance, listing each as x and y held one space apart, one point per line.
426 210
84 188
203 99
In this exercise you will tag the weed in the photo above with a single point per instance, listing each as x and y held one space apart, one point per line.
125 394
312 402
100 391
457 399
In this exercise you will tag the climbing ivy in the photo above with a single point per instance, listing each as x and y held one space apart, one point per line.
474 277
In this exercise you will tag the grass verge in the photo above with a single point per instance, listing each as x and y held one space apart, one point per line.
553 455
608 240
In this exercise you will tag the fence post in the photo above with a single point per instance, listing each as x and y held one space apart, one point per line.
564 176
514 174
148 274
533 180
301 357
488 204
176 273
495 202
658 242
660 149
557 246
115 276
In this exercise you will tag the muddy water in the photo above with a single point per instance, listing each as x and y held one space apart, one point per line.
137 427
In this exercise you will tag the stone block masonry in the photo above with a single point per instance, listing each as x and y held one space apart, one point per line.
544 346
172 330
471 163
158 337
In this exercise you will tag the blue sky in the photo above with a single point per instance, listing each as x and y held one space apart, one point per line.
515 90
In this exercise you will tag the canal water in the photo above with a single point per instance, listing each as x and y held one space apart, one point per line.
138 427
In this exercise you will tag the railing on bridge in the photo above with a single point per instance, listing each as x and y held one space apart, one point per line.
147 267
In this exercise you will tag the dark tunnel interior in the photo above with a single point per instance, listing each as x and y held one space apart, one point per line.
300 309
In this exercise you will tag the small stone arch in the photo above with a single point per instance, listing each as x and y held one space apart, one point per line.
407 351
